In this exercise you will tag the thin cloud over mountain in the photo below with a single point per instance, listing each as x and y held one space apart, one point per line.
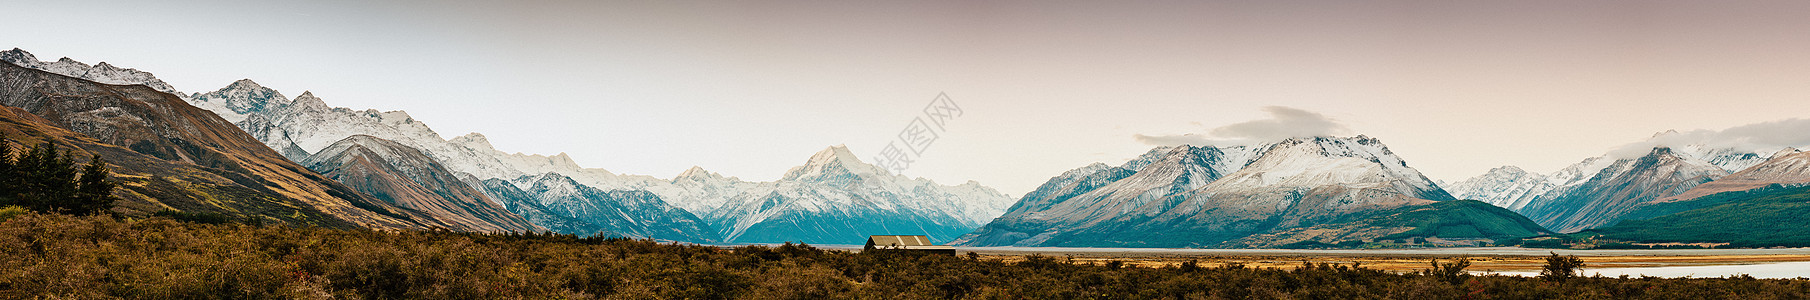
1757 137
1284 122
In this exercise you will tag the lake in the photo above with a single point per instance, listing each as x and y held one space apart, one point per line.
1786 270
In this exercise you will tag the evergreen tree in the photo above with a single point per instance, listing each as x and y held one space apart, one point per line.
94 193
9 175
44 179
49 178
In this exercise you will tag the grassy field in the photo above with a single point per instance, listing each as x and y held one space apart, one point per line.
60 256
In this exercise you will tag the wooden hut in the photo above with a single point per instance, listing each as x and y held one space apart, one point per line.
915 243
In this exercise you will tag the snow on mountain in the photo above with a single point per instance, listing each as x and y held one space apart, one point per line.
1361 162
306 124
836 198
102 72
704 191
1726 158
1501 186
1206 196
636 214
1517 188
1788 167
400 175
1617 189
234 102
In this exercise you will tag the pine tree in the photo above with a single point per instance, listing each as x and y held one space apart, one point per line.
44 179
47 178
9 175
94 193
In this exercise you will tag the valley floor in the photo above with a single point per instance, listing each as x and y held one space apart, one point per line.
1506 264
59 256
1504 260
1498 259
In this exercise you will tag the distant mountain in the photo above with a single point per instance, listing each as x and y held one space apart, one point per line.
1300 190
702 191
1787 167
300 126
835 198
529 208
1618 188
1602 190
186 158
403 176
1501 186
636 214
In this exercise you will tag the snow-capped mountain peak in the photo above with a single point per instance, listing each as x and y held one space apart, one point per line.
1501 186
473 140
699 174
1786 151
833 163
308 101
239 99
1320 161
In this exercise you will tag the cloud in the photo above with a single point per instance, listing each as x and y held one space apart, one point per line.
1757 137
1284 122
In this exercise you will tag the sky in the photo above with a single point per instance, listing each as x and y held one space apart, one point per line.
752 88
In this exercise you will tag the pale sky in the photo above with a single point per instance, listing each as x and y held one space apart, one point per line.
751 88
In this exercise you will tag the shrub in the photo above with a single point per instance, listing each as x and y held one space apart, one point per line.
1452 272
98 256
9 212
1560 268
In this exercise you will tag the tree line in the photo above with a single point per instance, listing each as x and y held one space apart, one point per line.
44 179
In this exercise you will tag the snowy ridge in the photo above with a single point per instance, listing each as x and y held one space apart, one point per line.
102 72
1501 186
1188 196
1517 193
835 185
306 124
1359 162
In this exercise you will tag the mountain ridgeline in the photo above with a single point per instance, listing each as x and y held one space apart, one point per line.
1602 191
1299 191
404 177
390 162
169 155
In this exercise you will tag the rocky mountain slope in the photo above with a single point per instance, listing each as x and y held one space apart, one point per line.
1787 167
1602 190
1618 188
403 176
101 73
1289 192
253 179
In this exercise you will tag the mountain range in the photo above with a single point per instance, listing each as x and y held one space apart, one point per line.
1601 191
248 151
172 156
393 157
1295 191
